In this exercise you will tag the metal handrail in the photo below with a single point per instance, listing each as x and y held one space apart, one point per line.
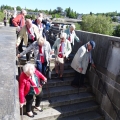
107 94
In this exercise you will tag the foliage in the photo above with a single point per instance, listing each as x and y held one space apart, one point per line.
36 10
70 13
18 8
98 24
56 15
77 26
1 16
117 31
59 10
3 7
114 19
28 16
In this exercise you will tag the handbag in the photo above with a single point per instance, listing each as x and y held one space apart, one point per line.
40 89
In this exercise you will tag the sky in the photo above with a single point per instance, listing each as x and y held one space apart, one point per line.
80 6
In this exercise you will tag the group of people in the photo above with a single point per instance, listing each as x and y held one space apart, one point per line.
34 38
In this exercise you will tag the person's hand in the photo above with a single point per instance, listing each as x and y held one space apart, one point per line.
52 52
80 42
45 80
64 55
93 65
18 28
21 105
17 45
80 69
18 55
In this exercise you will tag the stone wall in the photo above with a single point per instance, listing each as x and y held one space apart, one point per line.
9 102
106 56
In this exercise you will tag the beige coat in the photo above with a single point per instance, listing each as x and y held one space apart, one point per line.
67 49
23 34
81 59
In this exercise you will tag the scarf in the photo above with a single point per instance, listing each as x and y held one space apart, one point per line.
61 50
41 54
32 36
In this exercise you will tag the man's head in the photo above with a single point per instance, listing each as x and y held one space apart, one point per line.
39 20
28 23
40 15
24 12
72 27
63 37
90 45
41 41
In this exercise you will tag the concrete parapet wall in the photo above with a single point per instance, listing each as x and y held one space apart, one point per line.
9 99
106 56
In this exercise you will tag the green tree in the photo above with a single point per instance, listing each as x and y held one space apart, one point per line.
19 8
117 31
28 16
98 24
1 16
77 26
114 19
50 11
59 10
36 10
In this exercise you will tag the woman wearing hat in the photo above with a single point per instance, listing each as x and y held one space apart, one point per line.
80 63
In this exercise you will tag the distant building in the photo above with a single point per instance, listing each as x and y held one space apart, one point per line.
79 16
12 12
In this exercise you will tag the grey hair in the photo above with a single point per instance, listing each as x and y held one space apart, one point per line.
73 26
28 68
40 15
39 18
41 40
23 11
29 20
63 35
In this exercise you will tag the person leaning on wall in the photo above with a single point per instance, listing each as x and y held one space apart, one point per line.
29 86
19 22
80 63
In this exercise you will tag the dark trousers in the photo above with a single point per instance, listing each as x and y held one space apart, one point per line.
29 101
20 46
28 54
4 23
41 67
46 34
78 80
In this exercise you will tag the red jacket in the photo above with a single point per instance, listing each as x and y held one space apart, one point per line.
19 20
24 84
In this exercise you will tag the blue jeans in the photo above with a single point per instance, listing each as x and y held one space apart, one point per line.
41 67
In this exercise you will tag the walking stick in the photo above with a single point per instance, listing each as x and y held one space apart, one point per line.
47 88
21 113
79 85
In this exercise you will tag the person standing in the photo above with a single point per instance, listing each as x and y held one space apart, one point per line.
19 22
80 63
71 35
29 86
5 21
29 33
40 26
62 49
41 49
